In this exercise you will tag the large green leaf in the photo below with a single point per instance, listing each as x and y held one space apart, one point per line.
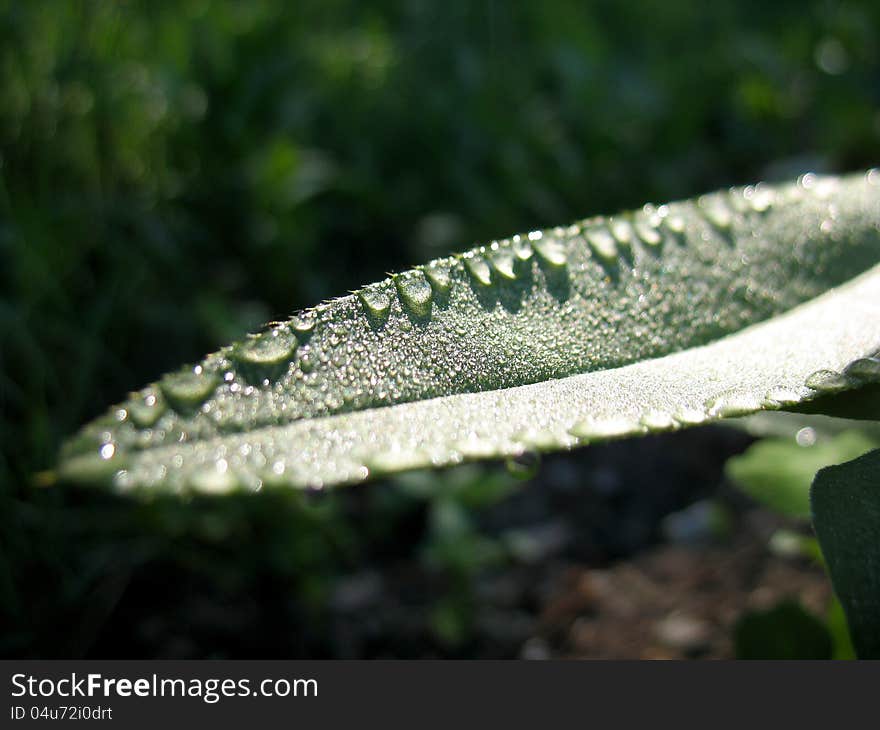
846 515
778 472
751 298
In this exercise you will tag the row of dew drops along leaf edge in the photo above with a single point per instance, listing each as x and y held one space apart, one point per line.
186 390
219 477
416 288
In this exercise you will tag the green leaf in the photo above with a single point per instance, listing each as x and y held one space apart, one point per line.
846 516
839 630
670 316
786 631
778 472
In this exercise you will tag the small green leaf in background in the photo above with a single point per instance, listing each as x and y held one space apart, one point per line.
778 472
843 645
786 631
846 515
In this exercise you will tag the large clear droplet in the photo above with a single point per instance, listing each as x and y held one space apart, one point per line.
415 293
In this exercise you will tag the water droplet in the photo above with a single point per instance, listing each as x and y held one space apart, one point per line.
269 348
522 249
690 416
107 451
438 276
805 436
308 360
473 447
376 302
304 323
214 478
602 242
543 439
675 223
525 465
389 462
761 198
827 381
188 388
550 251
648 234
715 211
415 293
807 181
146 408
873 176
621 230
731 405
657 421
865 368
478 268
781 396
503 262
591 429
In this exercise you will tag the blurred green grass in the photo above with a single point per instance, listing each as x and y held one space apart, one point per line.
173 174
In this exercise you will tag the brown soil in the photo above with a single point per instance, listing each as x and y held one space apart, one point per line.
673 601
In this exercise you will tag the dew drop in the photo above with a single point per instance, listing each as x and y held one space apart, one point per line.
478 268
592 429
731 405
873 176
307 360
739 198
807 181
188 388
439 278
269 348
781 396
648 234
827 381
657 421
522 249
716 212
389 462
805 437
503 262
543 439
304 323
214 478
146 408
550 251
690 416
675 223
621 230
865 368
376 302
473 447
602 242
762 198
415 293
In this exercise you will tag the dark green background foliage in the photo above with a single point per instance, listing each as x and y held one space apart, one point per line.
174 174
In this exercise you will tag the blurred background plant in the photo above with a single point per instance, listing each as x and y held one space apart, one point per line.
175 174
